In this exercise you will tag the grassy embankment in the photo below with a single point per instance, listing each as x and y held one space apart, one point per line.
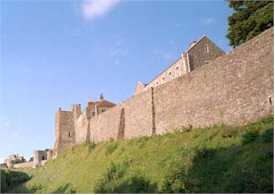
216 159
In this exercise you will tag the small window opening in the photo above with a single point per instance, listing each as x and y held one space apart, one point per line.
170 73
70 134
270 100
177 67
163 78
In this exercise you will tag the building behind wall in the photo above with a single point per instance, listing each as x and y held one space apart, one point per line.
40 157
199 53
14 159
231 89
66 122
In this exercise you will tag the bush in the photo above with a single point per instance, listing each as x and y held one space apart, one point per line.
111 147
10 179
228 132
116 181
65 189
36 187
110 178
249 137
174 182
267 136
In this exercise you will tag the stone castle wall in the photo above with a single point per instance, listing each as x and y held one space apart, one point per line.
233 89
23 165
138 115
105 126
81 126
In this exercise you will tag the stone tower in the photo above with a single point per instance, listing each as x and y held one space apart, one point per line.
65 129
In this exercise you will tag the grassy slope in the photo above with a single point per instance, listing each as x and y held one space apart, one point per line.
217 159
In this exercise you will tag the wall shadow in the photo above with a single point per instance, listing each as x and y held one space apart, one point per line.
245 168
12 181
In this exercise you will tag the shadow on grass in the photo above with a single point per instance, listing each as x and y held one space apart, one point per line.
133 184
116 180
10 180
245 168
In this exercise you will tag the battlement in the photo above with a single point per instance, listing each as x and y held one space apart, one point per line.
232 89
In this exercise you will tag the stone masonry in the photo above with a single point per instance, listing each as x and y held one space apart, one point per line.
231 89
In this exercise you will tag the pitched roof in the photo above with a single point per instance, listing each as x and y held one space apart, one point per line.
102 103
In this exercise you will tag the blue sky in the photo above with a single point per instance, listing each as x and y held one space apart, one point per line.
57 53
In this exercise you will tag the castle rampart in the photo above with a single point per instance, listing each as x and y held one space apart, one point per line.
233 89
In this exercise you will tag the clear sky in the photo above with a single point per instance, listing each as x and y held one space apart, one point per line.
55 53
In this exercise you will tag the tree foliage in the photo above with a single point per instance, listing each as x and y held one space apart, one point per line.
249 18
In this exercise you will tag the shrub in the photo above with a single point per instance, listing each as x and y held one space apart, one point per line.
267 136
111 147
91 146
36 187
10 179
228 132
66 189
249 137
205 153
135 184
110 178
174 182
116 181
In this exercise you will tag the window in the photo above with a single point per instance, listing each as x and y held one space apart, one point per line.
170 73
177 67
163 78
69 134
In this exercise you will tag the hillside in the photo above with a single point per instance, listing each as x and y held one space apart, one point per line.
216 159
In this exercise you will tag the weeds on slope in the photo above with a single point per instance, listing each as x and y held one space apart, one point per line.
217 159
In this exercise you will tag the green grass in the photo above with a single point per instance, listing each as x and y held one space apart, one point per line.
10 179
217 159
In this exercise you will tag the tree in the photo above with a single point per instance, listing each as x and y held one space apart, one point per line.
250 18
